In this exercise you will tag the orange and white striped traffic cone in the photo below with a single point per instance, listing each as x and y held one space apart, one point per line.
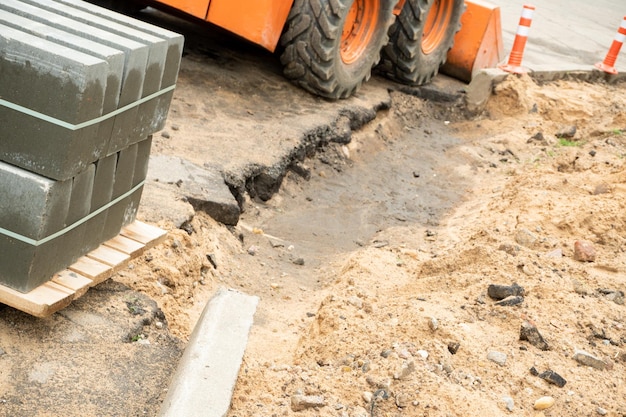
608 65
517 52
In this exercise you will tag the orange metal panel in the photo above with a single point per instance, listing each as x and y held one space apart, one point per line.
478 44
193 7
259 21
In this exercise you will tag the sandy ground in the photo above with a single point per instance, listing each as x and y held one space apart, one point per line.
372 266
373 275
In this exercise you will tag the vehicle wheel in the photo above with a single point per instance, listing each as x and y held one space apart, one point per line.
330 46
420 39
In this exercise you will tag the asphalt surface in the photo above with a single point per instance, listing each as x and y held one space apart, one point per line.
565 34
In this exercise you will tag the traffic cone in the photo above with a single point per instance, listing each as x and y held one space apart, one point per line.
515 58
609 61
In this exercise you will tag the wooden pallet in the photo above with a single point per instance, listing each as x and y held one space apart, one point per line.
92 269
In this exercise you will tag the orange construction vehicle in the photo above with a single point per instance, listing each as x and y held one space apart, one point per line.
329 47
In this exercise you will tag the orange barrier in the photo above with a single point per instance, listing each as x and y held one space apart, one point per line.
609 61
517 52
478 44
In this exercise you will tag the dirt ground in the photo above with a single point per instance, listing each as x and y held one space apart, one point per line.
373 274
372 265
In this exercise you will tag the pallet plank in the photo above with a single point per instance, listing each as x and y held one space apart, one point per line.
92 269
144 233
73 281
125 245
109 256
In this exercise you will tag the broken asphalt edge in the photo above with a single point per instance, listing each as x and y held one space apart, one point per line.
481 87
206 375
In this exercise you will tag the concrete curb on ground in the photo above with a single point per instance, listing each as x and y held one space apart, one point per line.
481 87
206 375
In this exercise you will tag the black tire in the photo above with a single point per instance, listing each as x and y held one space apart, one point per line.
312 41
415 52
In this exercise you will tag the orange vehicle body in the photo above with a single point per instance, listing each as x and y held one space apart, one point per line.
259 21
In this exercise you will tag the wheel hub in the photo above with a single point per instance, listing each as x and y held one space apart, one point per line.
358 29
436 24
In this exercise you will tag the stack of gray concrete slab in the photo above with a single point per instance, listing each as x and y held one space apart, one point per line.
82 89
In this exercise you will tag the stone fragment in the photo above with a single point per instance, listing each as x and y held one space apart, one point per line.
405 370
512 250
510 301
301 402
433 324
544 403
500 292
584 251
612 295
555 254
531 334
508 403
566 132
602 188
539 138
497 357
403 400
202 186
453 347
526 238
588 359
367 396
553 378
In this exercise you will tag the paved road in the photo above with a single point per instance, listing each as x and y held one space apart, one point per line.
565 34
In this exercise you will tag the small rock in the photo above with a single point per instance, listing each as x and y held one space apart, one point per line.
500 292
253 250
405 370
165 134
555 254
602 189
508 403
566 132
497 357
453 347
584 251
355 301
2 352
367 396
543 403
580 288
538 137
298 261
588 359
175 127
601 411
433 324
526 238
616 296
531 334
533 371
360 412
529 269
422 354
512 250
385 353
553 378
511 301
212 260
403 400
301 402
592 152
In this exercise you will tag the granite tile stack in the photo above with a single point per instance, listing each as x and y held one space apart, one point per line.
82 89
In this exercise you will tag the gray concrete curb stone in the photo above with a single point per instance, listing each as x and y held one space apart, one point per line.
206 375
